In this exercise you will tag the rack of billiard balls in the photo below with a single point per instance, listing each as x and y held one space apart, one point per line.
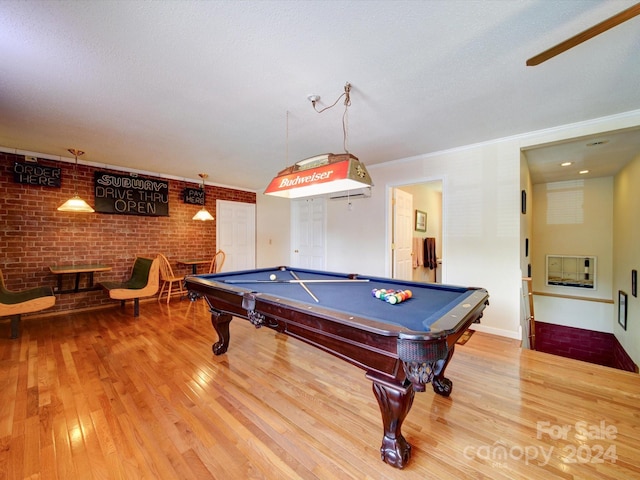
391 296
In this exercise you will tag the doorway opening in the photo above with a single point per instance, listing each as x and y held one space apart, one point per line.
417 232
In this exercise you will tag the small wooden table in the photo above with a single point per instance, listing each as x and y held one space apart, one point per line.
78 270
194 264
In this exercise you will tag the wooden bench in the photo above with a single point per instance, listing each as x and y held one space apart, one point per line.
14 304
144 282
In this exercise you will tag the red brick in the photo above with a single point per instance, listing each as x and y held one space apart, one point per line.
35 235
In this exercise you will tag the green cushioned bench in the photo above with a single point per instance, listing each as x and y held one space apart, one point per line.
13 304
144 282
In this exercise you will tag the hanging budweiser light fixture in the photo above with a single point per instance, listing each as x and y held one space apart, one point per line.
325 173
319 175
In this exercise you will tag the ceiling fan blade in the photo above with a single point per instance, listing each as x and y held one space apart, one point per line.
611 22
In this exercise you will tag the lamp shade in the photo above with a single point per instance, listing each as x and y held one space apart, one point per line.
75 204
319 175
203 215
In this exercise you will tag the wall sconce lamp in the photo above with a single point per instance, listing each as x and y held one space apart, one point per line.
75 203
203 214
322 174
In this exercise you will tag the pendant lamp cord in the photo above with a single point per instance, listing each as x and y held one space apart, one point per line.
287 139
345 116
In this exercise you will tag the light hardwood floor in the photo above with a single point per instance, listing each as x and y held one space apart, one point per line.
104 395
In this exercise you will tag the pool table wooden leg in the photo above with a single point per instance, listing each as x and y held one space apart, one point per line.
441 385
220 322
395 401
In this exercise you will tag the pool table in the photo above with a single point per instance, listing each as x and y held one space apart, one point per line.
401 347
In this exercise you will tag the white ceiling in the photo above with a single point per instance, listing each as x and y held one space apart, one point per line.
182 87
598 155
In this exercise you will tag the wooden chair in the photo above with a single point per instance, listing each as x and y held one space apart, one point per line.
144 282
217 261
168 278
14 304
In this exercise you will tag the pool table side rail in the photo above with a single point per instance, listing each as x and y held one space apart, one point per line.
367 344
403 283
363 348
450 322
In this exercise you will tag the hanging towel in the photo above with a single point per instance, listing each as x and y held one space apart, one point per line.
430 259
417 254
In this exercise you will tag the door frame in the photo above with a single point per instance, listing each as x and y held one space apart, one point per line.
398 192
252 250
389 220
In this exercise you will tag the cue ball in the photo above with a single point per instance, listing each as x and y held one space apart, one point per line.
272 276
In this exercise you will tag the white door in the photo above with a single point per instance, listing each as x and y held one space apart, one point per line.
236 234
402 235
308 233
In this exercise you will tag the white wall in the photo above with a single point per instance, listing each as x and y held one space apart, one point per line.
626 234
273 227
480 225
596 316
526 219
526 248
574 218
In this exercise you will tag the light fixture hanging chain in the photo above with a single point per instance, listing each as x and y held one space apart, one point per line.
75 172
345 128
345 131
75 152
345 115
287 139
313 102
347 100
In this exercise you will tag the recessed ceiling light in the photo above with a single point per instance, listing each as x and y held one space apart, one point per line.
597 142
582 172
566 164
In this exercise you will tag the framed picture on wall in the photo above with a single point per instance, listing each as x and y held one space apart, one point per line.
421 221
622 309
572 271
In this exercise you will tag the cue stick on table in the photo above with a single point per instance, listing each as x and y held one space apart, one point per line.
297 281
293 274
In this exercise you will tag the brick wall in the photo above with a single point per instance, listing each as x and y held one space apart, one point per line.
34 234
580 344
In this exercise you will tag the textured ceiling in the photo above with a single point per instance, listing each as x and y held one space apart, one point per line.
182 87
